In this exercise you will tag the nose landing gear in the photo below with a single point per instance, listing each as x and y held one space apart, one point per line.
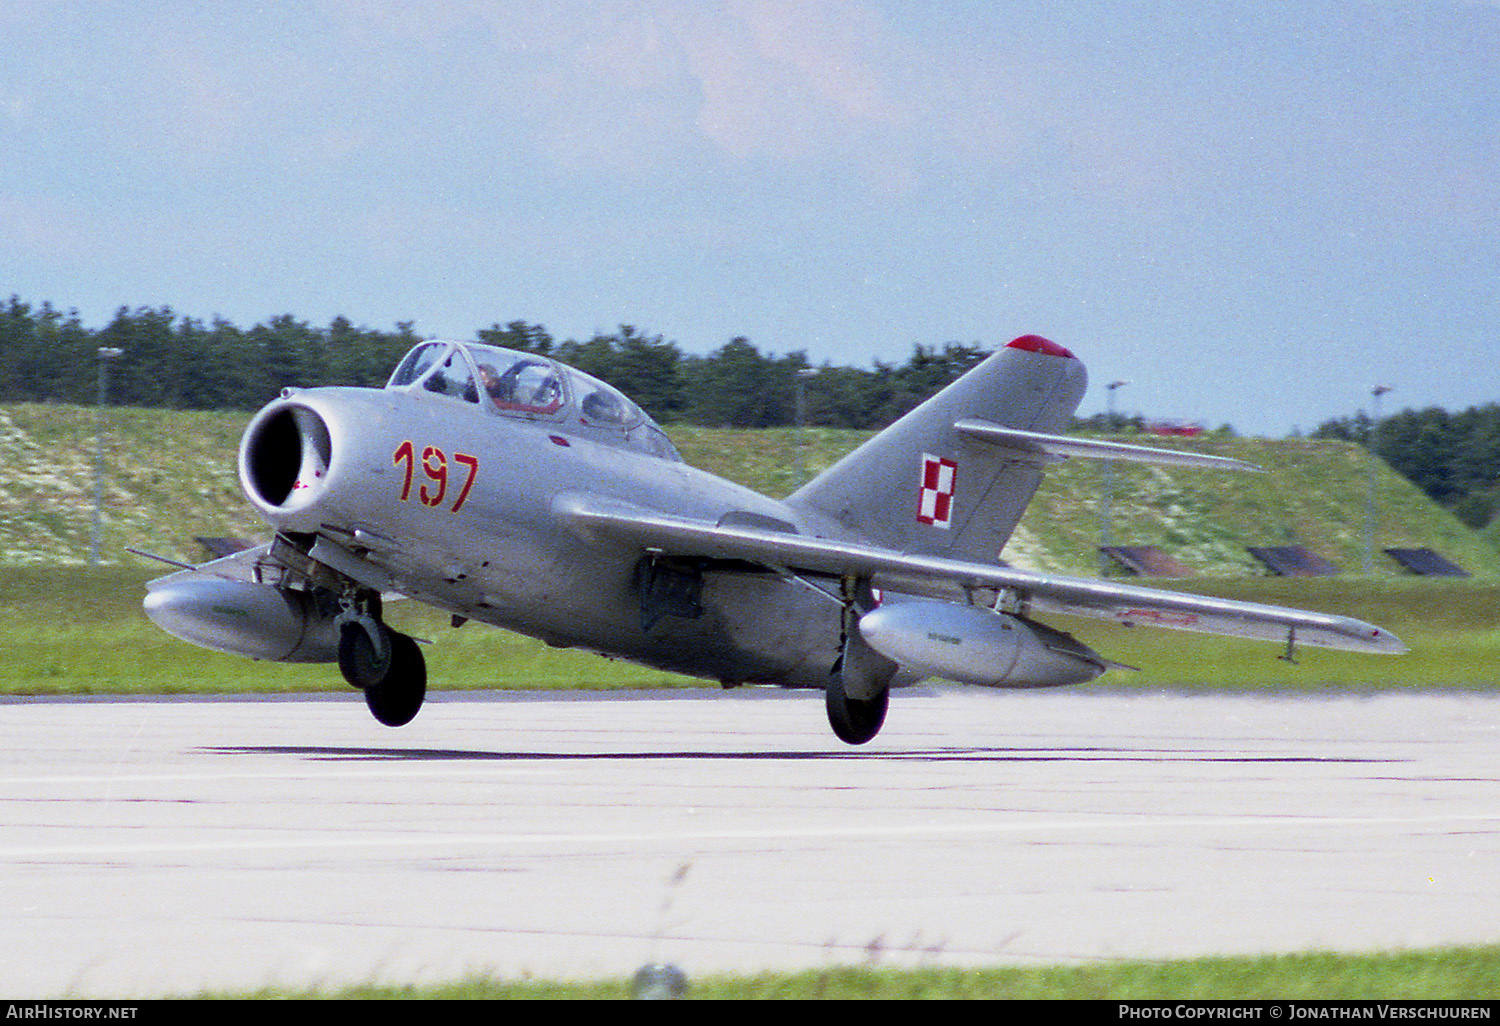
386 665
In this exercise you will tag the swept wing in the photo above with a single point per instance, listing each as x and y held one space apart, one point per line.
245 565
937 577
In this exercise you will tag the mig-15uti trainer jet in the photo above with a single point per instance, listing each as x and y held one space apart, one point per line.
507 488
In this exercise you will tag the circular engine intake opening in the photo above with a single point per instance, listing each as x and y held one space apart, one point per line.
285 451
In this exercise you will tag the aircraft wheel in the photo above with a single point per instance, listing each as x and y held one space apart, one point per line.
396 699
360 661
395 685
855 721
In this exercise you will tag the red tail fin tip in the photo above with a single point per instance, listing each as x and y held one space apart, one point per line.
1037 344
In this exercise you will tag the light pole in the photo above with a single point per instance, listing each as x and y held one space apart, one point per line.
1109 480
1376 393
803 373
106 354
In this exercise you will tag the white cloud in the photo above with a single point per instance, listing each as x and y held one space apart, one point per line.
787 80
634 88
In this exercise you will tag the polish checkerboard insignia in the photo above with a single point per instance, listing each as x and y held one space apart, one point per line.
936 505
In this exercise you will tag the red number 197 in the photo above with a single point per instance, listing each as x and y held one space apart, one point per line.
435 469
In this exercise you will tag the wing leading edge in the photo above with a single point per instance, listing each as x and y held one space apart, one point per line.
1039 448
936 577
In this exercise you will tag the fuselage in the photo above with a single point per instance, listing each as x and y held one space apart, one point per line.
449 498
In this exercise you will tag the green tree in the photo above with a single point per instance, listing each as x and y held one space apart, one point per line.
149 373
732 387
527 338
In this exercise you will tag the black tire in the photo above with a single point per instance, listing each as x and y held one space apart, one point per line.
854 720
397 698
358 661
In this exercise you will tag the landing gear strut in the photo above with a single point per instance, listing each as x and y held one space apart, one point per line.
858 690
386 665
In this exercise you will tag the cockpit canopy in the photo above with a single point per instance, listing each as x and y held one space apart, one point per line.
532 387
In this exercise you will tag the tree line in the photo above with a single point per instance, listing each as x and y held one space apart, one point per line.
185 363
1453 457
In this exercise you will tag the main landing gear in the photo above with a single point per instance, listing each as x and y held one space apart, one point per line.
858 690
854 720
385 664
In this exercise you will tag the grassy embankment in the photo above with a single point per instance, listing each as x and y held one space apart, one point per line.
65 628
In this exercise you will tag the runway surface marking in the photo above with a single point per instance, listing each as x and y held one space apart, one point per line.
1029 825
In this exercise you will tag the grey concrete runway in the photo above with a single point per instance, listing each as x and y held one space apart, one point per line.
160 847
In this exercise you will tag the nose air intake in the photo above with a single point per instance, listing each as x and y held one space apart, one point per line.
285 456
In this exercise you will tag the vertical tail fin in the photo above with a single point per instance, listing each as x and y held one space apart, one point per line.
919 486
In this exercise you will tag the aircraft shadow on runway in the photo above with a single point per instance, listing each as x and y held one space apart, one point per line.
327 753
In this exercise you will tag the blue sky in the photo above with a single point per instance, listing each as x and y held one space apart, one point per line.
1252 211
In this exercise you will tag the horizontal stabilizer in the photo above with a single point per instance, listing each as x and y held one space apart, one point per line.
1035 447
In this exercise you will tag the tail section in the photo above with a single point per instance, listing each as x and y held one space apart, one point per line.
923 486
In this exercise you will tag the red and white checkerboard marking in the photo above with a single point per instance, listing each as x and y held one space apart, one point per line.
936 505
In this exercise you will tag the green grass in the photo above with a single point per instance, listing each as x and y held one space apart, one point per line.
79 630
169 476
1456 974
1451 625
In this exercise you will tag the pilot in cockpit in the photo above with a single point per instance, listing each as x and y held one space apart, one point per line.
489 380
527 386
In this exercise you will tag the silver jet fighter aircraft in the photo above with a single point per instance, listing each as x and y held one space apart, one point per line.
507 488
